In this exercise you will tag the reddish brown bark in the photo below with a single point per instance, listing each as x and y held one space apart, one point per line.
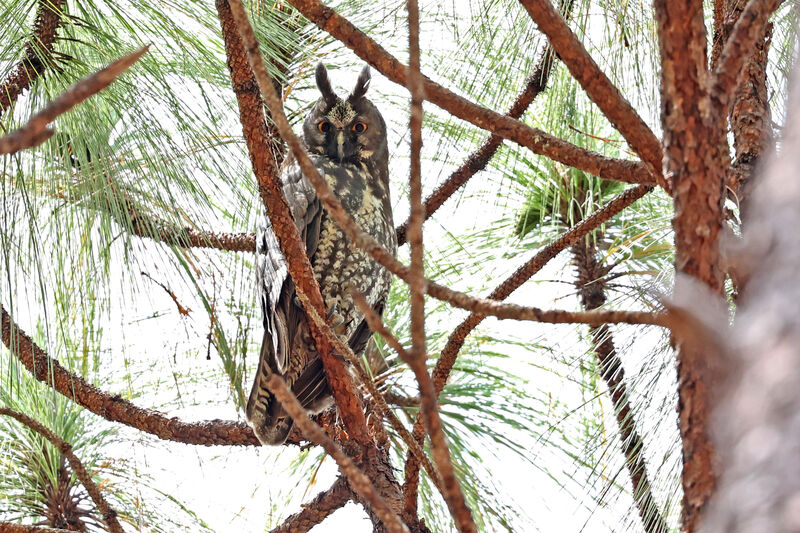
318 509
38 54
477 160
696 158
252 116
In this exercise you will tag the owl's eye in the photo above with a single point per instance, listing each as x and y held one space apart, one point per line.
359 127
324 126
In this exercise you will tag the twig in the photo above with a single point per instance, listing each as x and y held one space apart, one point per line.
478 159
445 363
291 244
537 141
181 309
359 482
318 509
38 53
597 85
35 131
108 513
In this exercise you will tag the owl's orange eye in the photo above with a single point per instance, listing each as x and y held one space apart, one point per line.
359 127
324 126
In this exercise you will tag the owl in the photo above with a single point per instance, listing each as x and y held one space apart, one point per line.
346 139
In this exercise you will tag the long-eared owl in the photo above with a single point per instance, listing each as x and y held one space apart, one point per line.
347 143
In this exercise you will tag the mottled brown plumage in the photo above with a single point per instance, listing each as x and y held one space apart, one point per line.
347 143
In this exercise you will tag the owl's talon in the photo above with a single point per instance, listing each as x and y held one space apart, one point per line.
334 319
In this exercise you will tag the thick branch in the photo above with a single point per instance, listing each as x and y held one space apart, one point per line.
35 131
597 85
291 244
537 141
359 482
38 53
697 157
106 511
318 509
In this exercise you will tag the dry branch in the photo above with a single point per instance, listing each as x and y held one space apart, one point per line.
537 141
597 85
35 131
243 42
359 482
38 54
318 509
106 511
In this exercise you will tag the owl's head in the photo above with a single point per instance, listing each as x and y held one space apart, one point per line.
347 131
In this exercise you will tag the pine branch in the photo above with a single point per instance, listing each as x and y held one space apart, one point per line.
113 407
697 157
597 85
591 287
106 511
749 29
477 160
38 54
537 141
36 130
359 482
318 509
10 527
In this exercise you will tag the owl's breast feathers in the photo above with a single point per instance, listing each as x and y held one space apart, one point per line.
338 265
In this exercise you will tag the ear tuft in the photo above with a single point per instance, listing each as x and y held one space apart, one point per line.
324 85
362 84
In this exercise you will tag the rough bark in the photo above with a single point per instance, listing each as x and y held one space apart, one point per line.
38 54
696 159
318 509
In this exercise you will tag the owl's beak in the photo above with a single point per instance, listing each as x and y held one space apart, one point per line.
340 145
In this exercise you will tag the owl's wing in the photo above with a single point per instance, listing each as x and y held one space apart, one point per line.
281 313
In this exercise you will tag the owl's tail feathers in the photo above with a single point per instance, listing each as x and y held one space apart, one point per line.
269 421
